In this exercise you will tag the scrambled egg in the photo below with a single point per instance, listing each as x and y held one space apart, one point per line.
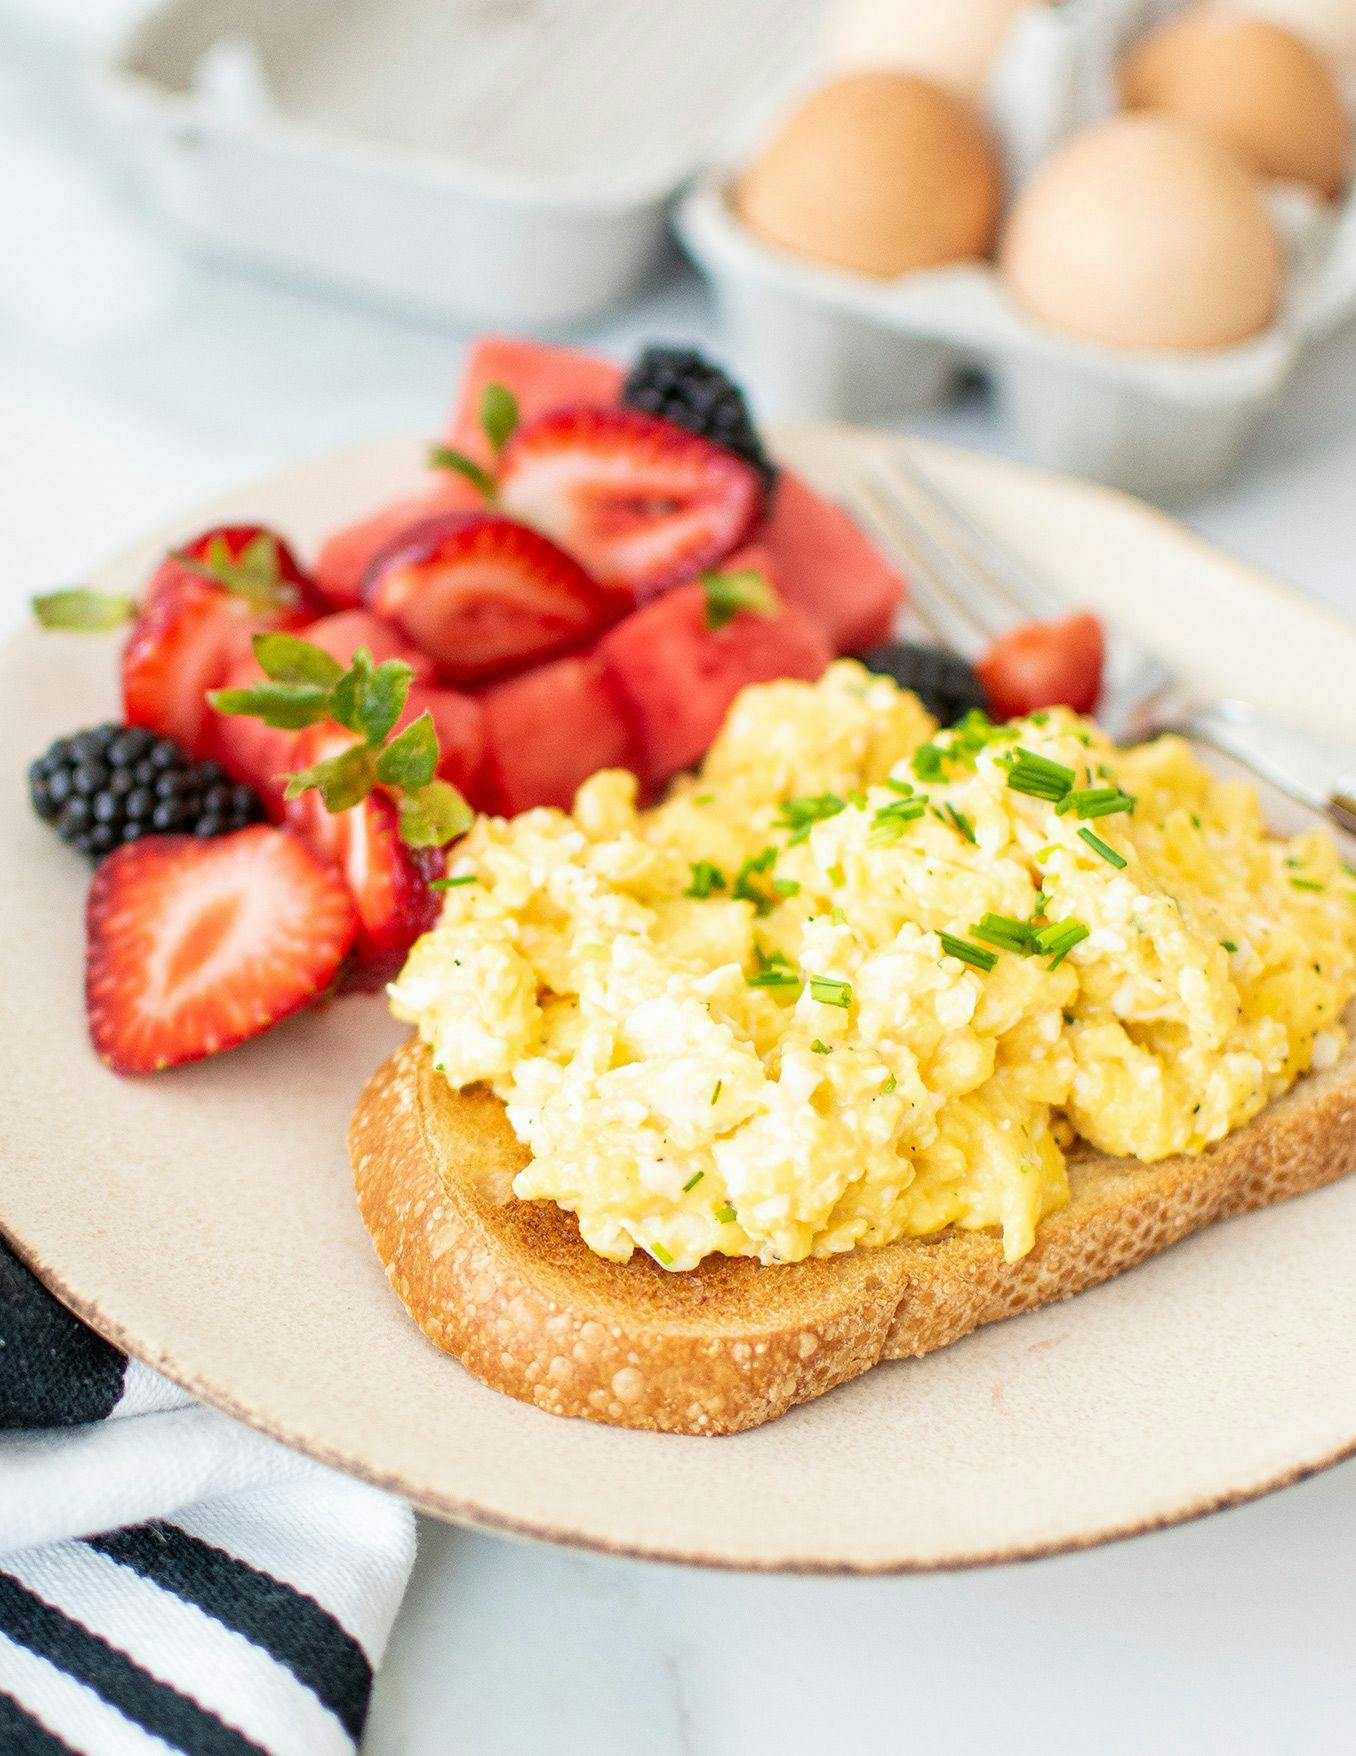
860 979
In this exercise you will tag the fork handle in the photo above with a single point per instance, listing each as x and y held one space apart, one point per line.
1315 773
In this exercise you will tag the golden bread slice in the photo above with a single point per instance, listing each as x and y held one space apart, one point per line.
509 1288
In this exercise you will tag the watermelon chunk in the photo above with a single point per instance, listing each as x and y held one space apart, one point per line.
679 677
825 565
541 378
459 721
550 729
261 756
345 555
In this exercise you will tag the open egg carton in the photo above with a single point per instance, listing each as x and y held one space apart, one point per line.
823 342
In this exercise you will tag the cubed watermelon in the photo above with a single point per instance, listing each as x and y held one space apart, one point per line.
541 378
826 566
550 729
679 677
261 756
344 556
459 721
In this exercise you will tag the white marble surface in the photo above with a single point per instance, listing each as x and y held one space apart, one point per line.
132 383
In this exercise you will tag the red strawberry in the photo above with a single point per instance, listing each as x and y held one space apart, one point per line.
346 554
387 880
193 629
679 677
341 634
641 503
195 946
482 595
587 727
1044 664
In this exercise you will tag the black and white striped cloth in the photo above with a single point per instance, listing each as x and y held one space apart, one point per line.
168 1578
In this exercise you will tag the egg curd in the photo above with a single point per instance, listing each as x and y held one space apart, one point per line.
860 980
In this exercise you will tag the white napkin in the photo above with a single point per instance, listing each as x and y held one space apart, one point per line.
168 1578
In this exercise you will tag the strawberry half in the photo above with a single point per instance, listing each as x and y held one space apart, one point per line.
195 946
387 881
482 595
202 607
642 503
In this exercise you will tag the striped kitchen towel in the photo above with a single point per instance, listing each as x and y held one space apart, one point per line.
168 1578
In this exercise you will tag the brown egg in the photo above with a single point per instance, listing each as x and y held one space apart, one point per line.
1250 84
878 172
1144 233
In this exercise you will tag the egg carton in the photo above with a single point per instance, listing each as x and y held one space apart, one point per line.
818 342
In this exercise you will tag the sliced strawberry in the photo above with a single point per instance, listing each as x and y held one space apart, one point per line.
1044 664
195 946
482 595
641 503
825 565
679 678
341 634
550 729
388 881
346 555
193 629
540 378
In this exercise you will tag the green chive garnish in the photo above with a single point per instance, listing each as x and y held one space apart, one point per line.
724 1214
744 886
975 955
1039 776
773 971
786 887
889 821
829 991
1098 846
890 1084
662 1255
1006 933
800 815
961 822
454 883
1228 945
836 876
927 762
715 1095
706 879
1059 937
819 1048
1096 802
692 1182
1307 884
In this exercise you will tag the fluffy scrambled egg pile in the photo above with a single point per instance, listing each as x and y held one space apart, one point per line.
860 979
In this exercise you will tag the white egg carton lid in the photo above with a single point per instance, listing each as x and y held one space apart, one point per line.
488 160
819 342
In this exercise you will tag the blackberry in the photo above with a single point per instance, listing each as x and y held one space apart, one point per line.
943 681
114 784
689 390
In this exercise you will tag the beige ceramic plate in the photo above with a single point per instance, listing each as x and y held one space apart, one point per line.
204 1219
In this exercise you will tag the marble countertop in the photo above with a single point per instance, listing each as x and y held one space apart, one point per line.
134 382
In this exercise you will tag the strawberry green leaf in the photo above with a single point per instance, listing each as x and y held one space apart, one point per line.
78 611
289 706
433 814
288 659
727 594
254 574
498 414
410 760
446 457
342 781
381 700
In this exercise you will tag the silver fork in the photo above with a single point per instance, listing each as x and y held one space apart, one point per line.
968 589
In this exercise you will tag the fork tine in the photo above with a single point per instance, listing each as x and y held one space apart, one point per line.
988 564
945 609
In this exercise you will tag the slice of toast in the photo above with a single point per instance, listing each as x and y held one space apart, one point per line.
510 1289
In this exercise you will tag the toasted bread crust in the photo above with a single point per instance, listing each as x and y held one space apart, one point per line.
510 1289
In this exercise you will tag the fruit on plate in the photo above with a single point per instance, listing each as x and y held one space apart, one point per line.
201 609
387 880
547 731
481 595
459 721
691 391
114 784
345 556
1044 664
197 945
828 568
943 681
678 674
642 504
538 378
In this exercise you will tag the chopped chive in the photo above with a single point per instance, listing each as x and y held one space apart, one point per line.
898 786
704 799
819 1048
724 1214
800 815
1096 802
454 883
773 971
829 991
692 1182
715 1095
1228 945
857 799
1098 846
961 822
889 1085
838 918
786 887
835 875
1004 932
745 888
890 821
661 1255
1038 776
927 762
1059 937
706 879
974 955
1307 884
